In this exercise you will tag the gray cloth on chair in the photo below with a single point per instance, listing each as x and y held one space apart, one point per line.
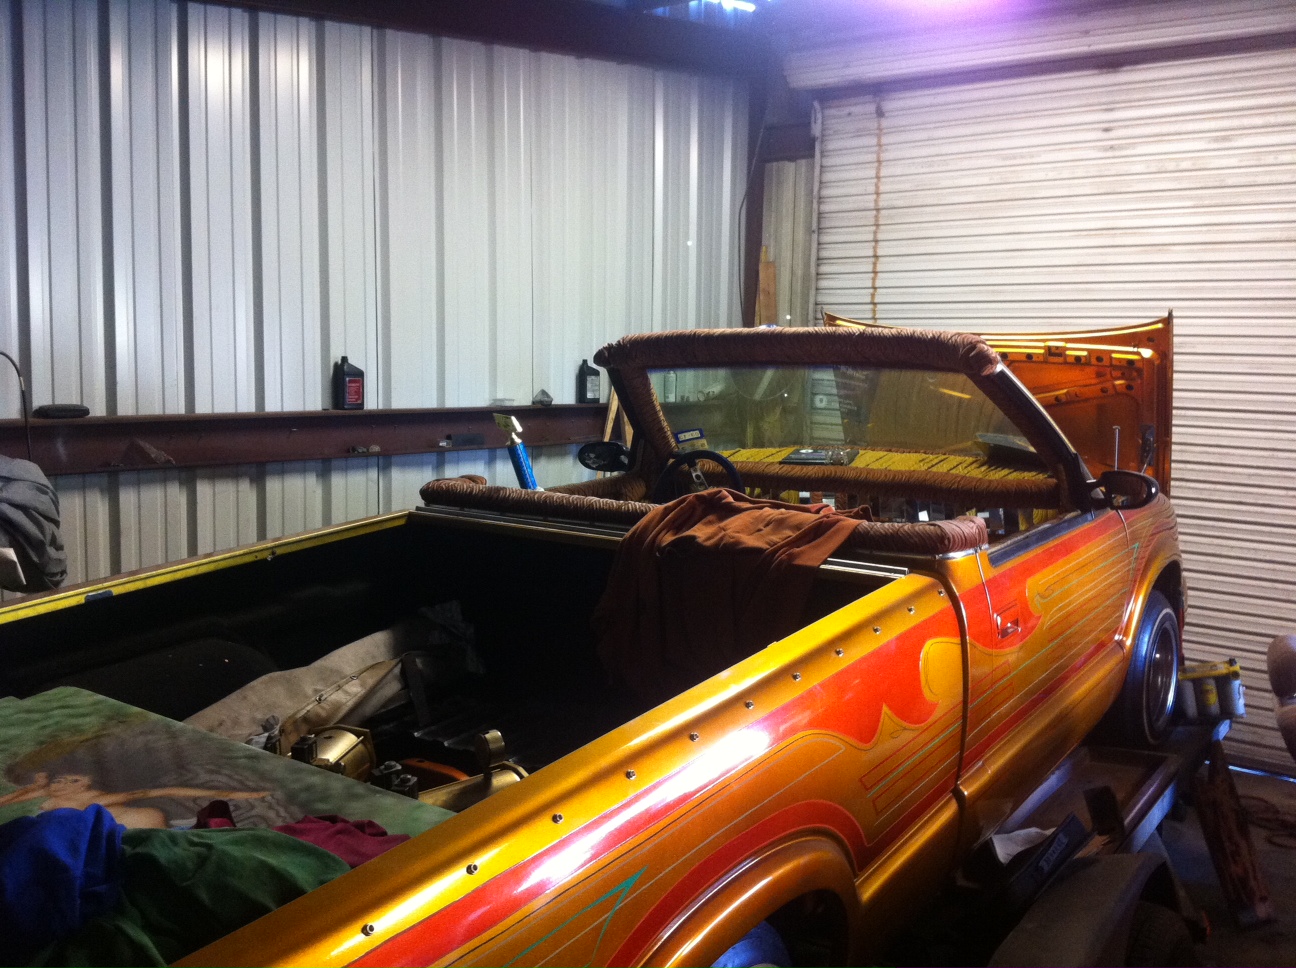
29 524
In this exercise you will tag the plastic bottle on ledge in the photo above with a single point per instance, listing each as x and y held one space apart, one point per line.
348 386
587 383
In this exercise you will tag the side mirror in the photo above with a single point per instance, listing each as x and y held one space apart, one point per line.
608 456
1127 490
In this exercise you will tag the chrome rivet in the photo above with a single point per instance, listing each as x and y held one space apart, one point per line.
911 609
839 652
367 929
796 677
749 704
472 868
694 737
630 774
557 818
940 592
877 630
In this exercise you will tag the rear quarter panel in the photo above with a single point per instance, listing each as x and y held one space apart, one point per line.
657 841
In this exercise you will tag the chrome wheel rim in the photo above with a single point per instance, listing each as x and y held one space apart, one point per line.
1162 678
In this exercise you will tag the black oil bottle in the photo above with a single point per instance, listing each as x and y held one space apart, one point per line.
348 386
587 383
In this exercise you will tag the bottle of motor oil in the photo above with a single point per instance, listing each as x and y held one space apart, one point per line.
669 383
587 383
348 386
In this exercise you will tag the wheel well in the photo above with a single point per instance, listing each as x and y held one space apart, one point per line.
814 927
806 877
1170 584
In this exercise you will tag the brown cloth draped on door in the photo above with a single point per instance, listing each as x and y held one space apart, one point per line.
707 580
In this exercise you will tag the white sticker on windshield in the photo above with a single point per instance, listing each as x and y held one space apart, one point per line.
694 439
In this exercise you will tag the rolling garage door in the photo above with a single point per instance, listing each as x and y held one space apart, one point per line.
1098 196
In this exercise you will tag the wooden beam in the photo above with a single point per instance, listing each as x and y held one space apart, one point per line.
94 445
767 295
753 217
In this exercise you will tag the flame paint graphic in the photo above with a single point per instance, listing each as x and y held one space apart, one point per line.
891 677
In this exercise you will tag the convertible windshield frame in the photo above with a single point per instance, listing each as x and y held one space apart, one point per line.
630 359
829 413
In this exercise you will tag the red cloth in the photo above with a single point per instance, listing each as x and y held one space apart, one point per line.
707 580
355 841
215 816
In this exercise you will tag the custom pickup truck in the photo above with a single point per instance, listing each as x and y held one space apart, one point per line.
790 704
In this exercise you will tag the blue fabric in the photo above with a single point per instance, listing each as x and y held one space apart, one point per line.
183 889
58 870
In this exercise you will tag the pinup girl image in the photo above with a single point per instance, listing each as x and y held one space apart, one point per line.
79 790
145 771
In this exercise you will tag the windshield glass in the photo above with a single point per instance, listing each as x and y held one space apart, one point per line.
834 410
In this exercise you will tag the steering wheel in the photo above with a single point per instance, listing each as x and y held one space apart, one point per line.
661 490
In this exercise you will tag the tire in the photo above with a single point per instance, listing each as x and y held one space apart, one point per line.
1158 936
1144 712
758 947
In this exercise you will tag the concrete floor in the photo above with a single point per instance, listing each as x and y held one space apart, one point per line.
1267 944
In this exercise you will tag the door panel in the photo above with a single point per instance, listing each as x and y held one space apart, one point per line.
1044 655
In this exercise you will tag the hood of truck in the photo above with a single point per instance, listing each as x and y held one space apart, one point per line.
1110 391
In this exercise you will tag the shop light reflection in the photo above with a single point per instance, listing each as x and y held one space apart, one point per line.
725 755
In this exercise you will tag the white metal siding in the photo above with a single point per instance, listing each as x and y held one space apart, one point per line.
217 204
10 331
1110 196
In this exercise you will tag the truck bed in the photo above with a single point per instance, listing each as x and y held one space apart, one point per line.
526 590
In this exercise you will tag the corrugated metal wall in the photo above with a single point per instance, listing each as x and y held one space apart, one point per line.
1107 196
202 208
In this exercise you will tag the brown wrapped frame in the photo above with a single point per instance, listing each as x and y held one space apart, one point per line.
930 538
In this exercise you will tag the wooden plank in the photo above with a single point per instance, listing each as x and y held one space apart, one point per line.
767 297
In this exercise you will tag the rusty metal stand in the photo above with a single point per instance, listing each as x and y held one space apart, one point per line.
1224 827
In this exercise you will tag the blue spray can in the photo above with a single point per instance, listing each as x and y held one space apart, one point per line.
517 451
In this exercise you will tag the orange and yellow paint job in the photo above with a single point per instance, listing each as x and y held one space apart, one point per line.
874 742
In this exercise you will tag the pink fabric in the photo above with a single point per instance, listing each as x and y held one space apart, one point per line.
355 841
